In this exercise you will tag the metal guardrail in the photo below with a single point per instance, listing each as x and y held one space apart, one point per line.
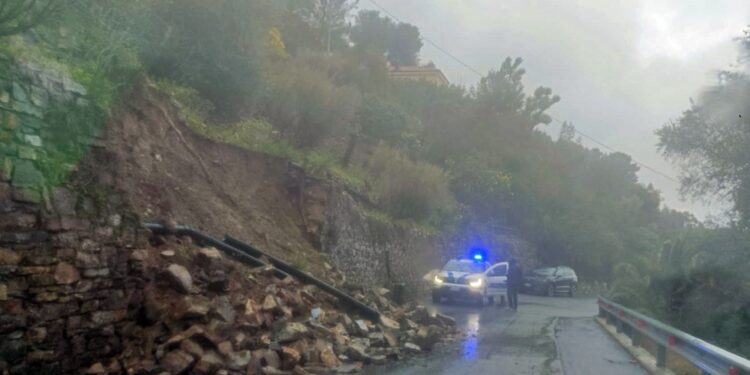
251 256
709 358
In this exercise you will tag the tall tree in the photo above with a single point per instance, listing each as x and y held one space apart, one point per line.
404 45
214 47
401 42
328 18
502 98
711 141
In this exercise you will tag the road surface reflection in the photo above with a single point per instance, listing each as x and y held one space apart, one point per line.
472 337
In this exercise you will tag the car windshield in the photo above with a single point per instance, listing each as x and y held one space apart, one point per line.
545 271
464 266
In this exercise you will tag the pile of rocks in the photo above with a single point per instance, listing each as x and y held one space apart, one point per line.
204 313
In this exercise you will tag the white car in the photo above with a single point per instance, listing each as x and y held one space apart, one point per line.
473 280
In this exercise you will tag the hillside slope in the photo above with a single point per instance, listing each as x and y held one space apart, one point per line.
158 162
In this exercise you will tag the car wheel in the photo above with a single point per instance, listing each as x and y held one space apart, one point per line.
551 290
572 290
436 297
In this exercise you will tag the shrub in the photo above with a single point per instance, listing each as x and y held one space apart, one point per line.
306 106
380 119
409 189
194 107
214 46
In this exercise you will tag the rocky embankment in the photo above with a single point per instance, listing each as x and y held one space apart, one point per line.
205 313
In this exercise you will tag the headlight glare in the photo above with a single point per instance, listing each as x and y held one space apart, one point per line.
438 280
476 283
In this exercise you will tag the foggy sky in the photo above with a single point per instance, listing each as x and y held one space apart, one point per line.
623 68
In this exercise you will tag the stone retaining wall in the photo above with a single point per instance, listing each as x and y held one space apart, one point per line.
63 249
370 252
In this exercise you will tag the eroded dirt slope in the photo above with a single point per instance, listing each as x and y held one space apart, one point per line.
165 170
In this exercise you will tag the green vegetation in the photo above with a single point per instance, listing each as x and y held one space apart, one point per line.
698 280
295 80
259 75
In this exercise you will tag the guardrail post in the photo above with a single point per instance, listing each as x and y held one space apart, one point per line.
635 339
661 356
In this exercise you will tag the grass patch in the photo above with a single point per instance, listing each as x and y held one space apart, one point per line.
406 224
257 135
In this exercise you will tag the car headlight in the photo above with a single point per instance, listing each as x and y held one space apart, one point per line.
476 283
438 280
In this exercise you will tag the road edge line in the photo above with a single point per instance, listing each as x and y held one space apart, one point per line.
644 358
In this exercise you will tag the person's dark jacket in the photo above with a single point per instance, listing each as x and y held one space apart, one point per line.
515 276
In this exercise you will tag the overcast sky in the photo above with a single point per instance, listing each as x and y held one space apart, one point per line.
622 68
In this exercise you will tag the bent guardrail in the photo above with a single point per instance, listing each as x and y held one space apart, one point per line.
251 256
710 359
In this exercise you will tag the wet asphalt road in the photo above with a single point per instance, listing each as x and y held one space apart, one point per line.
545 336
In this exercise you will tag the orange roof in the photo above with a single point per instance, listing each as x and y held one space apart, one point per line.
420 73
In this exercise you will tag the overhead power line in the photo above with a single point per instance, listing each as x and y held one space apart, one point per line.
642 165
480 75
428 41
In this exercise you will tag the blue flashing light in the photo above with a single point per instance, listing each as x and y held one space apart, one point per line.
478 255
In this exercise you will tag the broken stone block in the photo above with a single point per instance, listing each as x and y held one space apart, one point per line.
207 255
179 277
349 368
356 352
329 358
391 339
389 323
269 303
271 359
289 357
240 360
412 348
291 332
177 361
224 309
196 307
96 368
191 347
445 320
427 337
209 363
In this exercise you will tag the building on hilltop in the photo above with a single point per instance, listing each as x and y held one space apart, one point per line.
428 73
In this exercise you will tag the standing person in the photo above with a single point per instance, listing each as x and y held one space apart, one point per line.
515 278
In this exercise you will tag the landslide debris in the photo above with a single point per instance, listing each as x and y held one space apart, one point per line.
205 313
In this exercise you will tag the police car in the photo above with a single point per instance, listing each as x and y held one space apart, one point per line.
471 279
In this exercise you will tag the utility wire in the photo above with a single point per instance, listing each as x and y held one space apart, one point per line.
480 75
428 41
644 166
